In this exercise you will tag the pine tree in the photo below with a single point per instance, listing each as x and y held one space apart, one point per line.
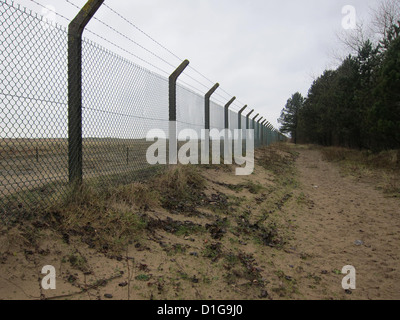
290 116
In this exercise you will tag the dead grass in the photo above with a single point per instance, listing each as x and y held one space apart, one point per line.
109 217
383 160
277 158
383 167
105 221
197 229
180 187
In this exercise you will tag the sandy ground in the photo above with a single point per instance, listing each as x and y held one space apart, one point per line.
342 211
319 221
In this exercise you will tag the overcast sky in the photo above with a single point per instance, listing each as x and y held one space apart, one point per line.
260 51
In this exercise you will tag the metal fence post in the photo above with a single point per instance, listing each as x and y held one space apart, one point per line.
75 30
241 135
248 119
172 139
172 89
240 117
205 155
254 120
263 132
271 138
248 122
227 141
207 106
227 112
259 131
255 129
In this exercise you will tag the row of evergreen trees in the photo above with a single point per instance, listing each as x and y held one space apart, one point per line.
356 105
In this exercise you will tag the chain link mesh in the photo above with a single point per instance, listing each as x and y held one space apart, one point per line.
33 108
121 103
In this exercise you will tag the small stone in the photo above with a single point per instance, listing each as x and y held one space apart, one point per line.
264 294
108 296
123 284
358 243
348 291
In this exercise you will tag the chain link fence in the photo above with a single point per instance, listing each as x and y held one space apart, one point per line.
121 102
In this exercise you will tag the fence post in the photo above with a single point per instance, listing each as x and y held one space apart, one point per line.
173 143
227 112
247 120
205 154
259 131
75 30
240 137
263 132
254 120
240 117
271 134
207 106
227 141
274 134
255 129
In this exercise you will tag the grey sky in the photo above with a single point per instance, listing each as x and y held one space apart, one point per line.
260 51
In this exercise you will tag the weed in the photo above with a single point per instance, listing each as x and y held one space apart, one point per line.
186 230
301 199
78 262
254 188
391 184
136 194
143 277
288 284
180 188
231 259
213 251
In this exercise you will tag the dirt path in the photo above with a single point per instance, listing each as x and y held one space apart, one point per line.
338 212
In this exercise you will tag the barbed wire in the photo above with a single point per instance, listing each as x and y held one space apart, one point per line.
140 30
169 51
104 39
228 95
128 52
125 36
139 45
48 8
